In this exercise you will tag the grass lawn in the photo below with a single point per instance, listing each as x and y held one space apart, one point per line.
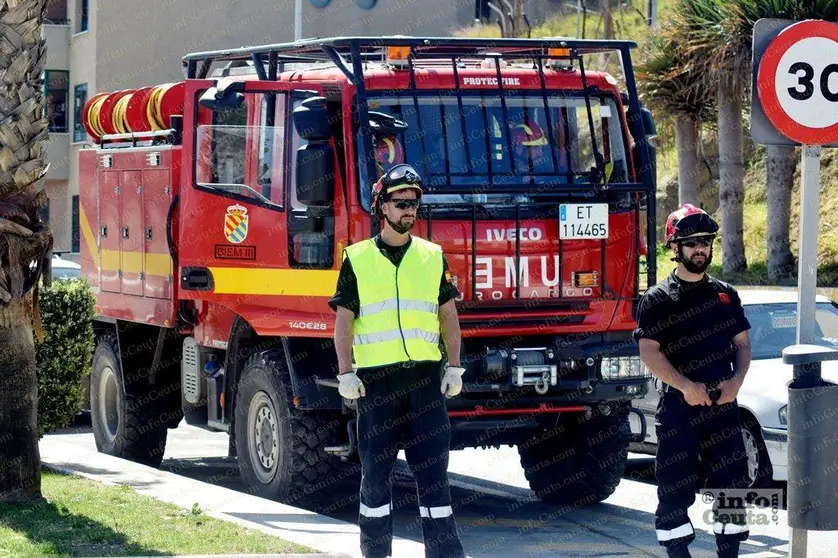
80 517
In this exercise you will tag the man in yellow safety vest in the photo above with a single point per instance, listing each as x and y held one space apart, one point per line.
394 300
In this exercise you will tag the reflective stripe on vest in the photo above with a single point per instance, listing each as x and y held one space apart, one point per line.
398 318
393 334
390 304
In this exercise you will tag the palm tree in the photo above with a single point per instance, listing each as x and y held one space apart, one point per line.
24 240
723 63
717 35
668 85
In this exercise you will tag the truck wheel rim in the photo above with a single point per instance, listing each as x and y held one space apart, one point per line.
108 404
753 454
262 439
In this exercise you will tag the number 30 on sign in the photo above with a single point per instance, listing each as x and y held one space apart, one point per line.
797 82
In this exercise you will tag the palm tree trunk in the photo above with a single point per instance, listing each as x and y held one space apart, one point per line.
24 239
20 474
781 163
518 18
686 144
731 178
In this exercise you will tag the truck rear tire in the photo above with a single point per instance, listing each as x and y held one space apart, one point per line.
123 424
577 463
281 450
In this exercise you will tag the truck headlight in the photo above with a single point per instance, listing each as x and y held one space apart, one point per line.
621 368
784 415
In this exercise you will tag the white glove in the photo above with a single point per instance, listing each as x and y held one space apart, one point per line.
351 386
452 380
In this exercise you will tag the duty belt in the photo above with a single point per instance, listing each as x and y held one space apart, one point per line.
713 389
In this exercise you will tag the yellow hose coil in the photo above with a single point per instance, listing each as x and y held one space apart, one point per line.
155 117
93 115
118 117
153 108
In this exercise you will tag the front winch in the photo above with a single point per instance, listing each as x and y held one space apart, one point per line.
531 367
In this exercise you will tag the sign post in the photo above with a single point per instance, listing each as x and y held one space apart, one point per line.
795 79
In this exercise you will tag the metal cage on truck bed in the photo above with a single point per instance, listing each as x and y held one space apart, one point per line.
354 55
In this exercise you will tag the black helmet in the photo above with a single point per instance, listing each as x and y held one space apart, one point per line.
400 177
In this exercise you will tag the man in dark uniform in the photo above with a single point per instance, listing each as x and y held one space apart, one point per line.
693 337
394 299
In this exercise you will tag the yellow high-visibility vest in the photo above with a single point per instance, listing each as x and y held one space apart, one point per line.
398 320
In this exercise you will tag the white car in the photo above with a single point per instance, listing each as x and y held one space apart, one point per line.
65 269
763 398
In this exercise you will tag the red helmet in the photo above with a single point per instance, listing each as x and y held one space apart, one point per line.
528 135
689 221
389 151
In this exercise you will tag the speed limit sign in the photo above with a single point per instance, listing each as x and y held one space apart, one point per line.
797 82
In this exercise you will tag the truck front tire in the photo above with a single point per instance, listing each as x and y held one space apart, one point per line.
280 449
124 425
578 463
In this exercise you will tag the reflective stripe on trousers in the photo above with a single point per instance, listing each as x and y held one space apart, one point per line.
390 304
380 511
436 512
729 528
684 530
394 334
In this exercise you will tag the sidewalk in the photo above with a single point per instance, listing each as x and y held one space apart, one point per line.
500 525
332 537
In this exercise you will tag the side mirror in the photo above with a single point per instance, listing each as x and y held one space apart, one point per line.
225 95
648 123
651 132
311 119
316 160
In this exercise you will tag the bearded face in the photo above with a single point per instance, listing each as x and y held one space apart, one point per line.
695 253
400 211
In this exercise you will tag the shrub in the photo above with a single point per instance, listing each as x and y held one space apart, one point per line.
65 356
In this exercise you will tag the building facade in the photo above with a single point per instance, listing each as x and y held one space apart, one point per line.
107 45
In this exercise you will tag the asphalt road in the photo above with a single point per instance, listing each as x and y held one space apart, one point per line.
497 513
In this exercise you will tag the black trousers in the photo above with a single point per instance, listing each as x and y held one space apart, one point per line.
403 408
686 433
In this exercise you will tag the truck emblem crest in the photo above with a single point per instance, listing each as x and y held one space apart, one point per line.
235 224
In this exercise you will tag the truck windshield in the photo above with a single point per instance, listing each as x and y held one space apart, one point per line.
500 152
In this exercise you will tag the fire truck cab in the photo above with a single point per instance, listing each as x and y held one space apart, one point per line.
215 211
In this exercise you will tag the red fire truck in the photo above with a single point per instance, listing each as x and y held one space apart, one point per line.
214 212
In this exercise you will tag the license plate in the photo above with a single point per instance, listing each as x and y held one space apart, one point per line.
784 322
583 221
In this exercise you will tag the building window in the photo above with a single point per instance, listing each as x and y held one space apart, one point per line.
80 96
56 13
81 13
76 238
57 91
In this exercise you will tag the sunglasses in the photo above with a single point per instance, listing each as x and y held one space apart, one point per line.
405 204
697 242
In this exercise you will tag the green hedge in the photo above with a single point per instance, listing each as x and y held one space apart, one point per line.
66 354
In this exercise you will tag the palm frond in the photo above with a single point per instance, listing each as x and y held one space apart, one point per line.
669 85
